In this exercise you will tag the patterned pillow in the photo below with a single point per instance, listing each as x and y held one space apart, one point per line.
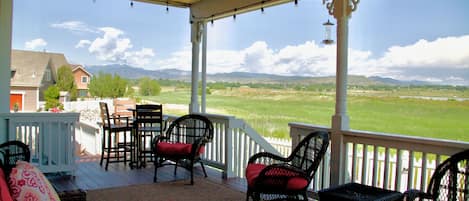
28 183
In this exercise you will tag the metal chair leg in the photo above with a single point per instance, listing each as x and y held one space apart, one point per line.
192 172
102 147
108 152
203 168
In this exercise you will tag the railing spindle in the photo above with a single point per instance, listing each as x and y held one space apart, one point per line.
386 169
410 170
397 184
375 166
423 178
354 161
364 163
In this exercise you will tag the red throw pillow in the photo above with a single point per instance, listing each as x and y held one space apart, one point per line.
28 183
4 190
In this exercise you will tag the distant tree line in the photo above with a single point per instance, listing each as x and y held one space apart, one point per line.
105 85
320 87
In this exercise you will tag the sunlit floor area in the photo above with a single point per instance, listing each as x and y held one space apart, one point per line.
91 176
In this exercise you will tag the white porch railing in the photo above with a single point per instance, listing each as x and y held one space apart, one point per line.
383 160
282 145
50 136
234 141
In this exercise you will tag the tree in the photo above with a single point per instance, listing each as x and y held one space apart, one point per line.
51 95
106 85
66 81
130 92
119 86
148 87
207 89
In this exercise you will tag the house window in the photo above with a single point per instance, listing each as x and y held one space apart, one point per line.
47 75
82 93
84 79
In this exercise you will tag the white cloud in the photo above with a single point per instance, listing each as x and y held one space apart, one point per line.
36 43
178 60
111 46
83 43
114 47
76 26
139 58
441 60
305 59
448 52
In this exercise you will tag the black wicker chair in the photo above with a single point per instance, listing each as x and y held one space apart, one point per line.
273 177
449 182
13 151
183 143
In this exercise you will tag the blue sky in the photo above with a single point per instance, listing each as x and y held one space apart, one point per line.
401 39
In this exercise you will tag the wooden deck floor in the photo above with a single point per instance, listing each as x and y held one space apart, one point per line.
90 175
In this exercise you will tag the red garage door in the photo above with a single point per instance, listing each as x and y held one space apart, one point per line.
16 98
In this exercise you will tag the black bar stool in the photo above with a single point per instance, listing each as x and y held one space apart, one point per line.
116 150
148 123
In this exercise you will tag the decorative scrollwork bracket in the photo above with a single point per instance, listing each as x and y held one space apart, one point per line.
341 8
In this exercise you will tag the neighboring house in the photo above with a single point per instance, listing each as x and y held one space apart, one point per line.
82 79
34 73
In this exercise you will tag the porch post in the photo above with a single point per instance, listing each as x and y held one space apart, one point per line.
6 13
204 67
341 10
195 39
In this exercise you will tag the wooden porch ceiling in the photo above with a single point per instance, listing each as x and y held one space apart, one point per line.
206 10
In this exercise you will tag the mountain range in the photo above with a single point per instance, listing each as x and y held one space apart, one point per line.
131 72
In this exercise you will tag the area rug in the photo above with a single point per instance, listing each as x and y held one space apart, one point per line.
202 190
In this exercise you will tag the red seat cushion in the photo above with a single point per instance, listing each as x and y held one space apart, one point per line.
4 190
294 183
176 149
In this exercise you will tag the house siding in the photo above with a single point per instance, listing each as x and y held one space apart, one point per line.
31 72
29 98
78 74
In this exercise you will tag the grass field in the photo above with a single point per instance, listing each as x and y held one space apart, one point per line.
269 111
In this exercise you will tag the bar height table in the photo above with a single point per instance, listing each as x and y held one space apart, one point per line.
358 192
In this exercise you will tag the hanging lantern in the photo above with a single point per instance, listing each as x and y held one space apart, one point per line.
328 39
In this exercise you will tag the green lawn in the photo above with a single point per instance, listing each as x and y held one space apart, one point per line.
269 111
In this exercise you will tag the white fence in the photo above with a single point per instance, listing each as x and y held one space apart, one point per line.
88 132
284 146
50 137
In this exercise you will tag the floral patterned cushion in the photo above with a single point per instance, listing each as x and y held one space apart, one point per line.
28 183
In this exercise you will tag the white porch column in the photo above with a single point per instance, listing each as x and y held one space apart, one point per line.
204 68
195 39
6 13
341 10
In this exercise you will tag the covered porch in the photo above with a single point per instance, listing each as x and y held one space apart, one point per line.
383 160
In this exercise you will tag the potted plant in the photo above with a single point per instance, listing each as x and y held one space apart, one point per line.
16 107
